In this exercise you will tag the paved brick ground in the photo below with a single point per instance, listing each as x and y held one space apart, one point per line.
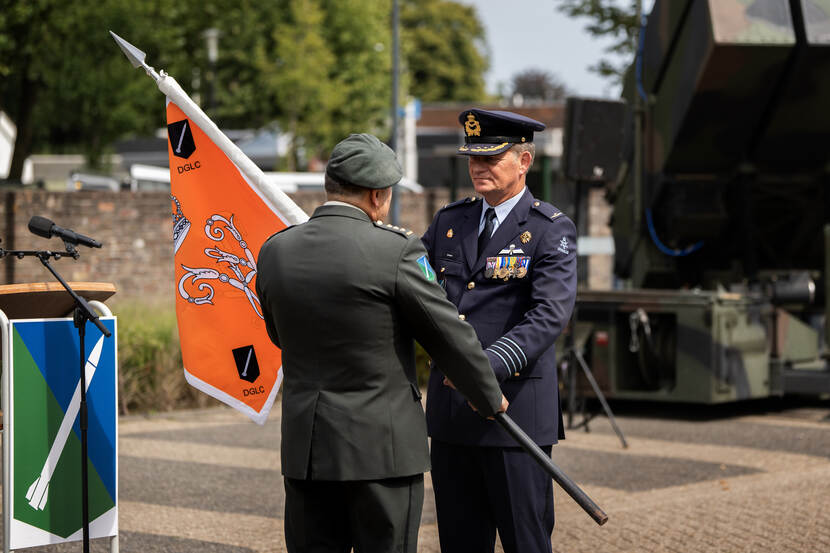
707 480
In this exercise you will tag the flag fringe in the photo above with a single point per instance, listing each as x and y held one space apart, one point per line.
258 417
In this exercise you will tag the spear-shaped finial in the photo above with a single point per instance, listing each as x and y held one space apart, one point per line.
135 56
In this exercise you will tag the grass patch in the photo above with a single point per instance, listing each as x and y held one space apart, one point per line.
150 377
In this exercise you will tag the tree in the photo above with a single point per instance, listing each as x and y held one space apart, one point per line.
444 48
319 68
613 18
298 75
538 85
359 34
62 82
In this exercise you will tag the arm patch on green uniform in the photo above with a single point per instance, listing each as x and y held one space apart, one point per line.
426 268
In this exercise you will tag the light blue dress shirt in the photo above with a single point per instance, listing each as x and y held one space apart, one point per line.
502 210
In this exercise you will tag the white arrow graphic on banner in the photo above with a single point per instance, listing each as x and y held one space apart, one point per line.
39 490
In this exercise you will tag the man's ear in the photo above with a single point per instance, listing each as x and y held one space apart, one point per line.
525 159
376 197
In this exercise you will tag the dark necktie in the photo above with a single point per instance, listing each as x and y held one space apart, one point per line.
489 225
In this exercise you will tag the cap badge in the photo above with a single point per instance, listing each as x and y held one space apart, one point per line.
472 126
525 237
449 233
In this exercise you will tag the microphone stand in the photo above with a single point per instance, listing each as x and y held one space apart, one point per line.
81 314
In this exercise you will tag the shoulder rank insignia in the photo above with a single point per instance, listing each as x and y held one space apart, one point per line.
426 268
469 200
449 233
525 237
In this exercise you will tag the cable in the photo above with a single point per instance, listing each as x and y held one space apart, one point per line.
662 247
642 92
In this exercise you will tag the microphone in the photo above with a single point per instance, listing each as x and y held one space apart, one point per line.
42 226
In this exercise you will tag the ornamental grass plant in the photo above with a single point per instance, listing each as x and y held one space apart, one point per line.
151 378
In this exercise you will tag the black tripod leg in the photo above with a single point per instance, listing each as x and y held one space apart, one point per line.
80 322
571 389
590 376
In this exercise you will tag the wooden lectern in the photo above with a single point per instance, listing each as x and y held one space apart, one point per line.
48 299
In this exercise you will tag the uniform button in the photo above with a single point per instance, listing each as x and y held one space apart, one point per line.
443 269
462 316
471 285
515 374
536 204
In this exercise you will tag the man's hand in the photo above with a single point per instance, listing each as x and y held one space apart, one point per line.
502 409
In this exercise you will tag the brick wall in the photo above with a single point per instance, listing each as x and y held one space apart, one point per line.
135 228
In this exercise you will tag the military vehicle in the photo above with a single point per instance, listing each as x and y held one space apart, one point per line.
721 206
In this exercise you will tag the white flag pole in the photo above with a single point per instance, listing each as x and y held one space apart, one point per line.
286 208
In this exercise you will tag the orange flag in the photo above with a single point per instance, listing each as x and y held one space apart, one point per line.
220 222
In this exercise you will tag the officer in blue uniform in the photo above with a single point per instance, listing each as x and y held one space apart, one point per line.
508 263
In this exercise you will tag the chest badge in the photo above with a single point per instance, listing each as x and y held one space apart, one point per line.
525 237
449 233
505 267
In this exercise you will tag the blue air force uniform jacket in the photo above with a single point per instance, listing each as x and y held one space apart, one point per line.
518 295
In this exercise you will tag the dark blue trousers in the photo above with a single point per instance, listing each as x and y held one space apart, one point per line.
479 490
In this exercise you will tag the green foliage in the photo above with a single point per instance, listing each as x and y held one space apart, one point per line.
535 84
297 74
150 376
61 82
443 43
358 32
318 68
609 18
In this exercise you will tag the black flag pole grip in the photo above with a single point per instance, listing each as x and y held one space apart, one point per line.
554 471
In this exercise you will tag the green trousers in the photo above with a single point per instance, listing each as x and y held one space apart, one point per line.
371 516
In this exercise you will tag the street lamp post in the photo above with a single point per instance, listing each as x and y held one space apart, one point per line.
212 39
394 211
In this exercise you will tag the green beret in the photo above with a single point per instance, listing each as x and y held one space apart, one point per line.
363 160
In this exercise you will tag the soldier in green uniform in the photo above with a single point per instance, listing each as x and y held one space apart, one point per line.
343 296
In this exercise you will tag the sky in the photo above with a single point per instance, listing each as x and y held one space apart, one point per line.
533 34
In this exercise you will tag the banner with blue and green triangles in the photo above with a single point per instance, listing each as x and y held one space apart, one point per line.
44 432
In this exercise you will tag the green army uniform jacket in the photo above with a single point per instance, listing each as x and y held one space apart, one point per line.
343 298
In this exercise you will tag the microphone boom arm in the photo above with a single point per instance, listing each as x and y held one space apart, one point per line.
43 256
